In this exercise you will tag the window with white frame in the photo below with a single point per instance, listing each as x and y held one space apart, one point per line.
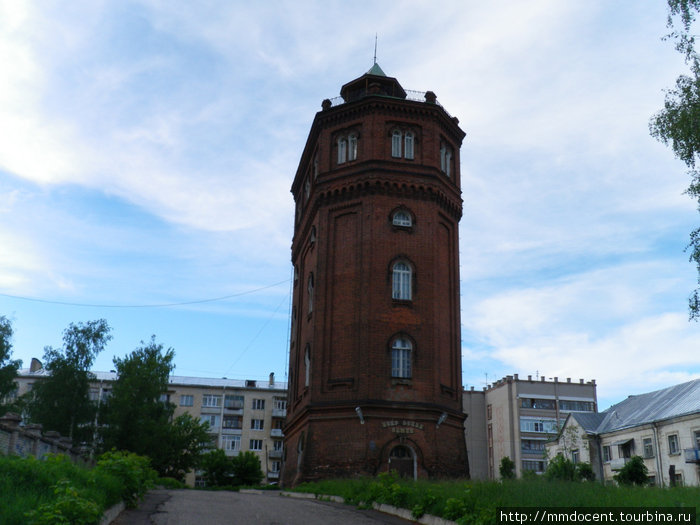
446 159
575 456
673 446
607 453
547 426
257 424
352 146
402 218
408 142
401 277
342 150
231 443
258 404
279 403
532 446
211 401
277 445
401 350
233 401
186 400
576 406
396 144
696 435
648 447
212 419
275 466
256 444
533 465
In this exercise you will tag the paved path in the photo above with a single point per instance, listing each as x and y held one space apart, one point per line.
198 507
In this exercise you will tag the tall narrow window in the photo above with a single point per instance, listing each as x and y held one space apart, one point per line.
342 150
396 144
310 289
401 282
408 145
401 350
307 365
446 159
352 146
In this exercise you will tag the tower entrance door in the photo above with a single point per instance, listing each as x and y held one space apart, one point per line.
403 460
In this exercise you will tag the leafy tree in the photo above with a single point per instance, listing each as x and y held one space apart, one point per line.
560 469
138 419
678 124
8 367
217 468
60 401
246 467
634 472
507 468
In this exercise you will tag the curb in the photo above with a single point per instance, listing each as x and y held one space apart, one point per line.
111 513
406 514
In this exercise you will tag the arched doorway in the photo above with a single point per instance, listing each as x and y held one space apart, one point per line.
403 460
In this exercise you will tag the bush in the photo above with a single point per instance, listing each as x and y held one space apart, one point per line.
69 507
560 469
507 468
634 472
584 472
246 467
218 468
133 471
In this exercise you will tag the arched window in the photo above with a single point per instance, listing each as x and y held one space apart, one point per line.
352 146
396 143
342 150
307 365
402 218
446 159
401 350
401 277
310 288
408 145
307 189
312 236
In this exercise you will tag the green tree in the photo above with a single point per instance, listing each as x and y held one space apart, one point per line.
507 468
60 401
634 472
678 124
246 467
8 367
560 469
217 468
138 418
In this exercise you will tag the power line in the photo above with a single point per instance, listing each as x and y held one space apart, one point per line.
162 305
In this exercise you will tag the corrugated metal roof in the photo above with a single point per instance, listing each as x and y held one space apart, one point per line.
588 421
674 401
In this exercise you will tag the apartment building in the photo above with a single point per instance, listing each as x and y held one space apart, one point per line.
242 414
515 417
663 427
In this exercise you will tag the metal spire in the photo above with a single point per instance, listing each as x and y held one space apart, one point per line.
375 48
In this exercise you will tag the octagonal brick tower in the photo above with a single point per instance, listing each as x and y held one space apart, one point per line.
375 368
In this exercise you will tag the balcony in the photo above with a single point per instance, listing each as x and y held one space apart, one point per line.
692 455
273 475
275 454
617 464
276 432
279 412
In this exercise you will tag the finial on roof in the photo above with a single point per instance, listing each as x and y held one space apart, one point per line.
375 48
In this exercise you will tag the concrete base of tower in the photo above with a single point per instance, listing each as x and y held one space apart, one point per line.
416 444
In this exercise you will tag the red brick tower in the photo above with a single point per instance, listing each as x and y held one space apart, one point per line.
375 361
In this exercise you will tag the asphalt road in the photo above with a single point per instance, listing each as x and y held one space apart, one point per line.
198 507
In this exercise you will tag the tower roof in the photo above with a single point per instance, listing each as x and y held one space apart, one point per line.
374 82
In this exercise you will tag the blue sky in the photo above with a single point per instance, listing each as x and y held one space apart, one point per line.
147 150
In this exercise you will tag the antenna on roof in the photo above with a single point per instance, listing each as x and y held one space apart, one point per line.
375 48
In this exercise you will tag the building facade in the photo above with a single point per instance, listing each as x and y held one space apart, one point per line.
375 365
242 414
515 417
662 427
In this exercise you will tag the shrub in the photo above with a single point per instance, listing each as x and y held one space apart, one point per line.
218 468
246 467
584 472
69 507
507 468
634 472
133 471
560 469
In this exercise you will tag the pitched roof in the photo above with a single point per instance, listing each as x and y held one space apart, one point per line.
376 70
588 421
674 401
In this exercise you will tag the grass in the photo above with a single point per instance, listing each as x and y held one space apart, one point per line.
478 501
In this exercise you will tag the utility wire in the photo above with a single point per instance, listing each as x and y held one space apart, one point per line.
162 305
